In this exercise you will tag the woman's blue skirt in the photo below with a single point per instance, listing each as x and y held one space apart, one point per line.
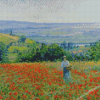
66 74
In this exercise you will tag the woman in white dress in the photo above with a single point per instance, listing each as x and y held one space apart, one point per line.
66 73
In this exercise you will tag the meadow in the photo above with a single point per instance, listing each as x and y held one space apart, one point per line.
44 81
6 38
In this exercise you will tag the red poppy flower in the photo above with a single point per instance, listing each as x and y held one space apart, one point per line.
15 93
37 99
47 97
1 97
55 96
10 93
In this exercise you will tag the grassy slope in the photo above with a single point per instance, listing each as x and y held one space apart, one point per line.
7 39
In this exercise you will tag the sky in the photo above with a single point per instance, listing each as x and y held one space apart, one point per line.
51 11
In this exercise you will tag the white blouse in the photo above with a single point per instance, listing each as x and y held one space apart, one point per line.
64 63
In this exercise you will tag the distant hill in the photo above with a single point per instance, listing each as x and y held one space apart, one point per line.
53 32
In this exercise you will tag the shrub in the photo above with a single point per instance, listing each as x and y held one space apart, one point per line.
3 53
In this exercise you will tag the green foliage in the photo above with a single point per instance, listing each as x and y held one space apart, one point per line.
44 53
22 39
16 48
10 32
55 52
2 49
94 52
67 46
8 39
27 54
64 44
70 45
3 53
96 68
68 55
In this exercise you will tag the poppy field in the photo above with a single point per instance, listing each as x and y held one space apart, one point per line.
44 81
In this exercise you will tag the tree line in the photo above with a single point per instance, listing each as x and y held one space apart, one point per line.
53 52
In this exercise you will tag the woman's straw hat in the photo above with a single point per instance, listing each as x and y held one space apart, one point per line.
64 56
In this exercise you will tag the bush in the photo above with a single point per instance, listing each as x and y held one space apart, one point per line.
3 53
94 52
22 39
68 55
15 51
45 53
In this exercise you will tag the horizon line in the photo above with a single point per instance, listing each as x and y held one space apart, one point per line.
48 22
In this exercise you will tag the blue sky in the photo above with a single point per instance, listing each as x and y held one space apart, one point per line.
50 11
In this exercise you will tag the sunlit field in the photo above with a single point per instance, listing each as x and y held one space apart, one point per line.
44 81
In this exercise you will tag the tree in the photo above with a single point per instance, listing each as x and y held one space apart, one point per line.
22 38
94 52
44 51
3 51
64 44
70 45
55 52
68 55
10 32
